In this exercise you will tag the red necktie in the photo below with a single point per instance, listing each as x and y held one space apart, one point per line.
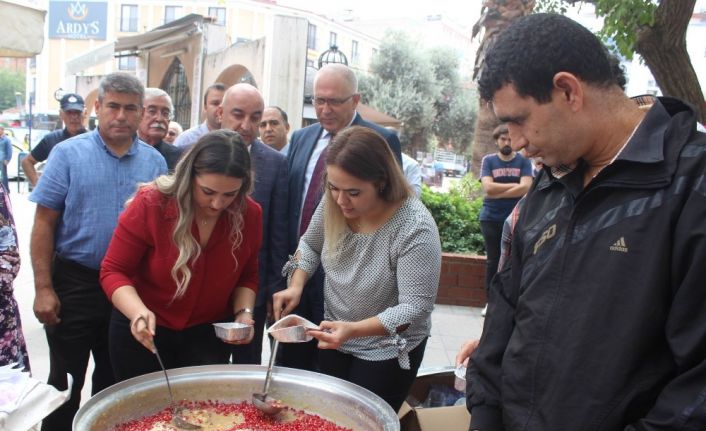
314 193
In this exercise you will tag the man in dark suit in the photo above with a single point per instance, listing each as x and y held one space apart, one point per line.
335 100
241 111
154 125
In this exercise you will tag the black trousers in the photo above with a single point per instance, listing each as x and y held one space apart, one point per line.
196 345
386 378
492 234
252 353
304 356
83 330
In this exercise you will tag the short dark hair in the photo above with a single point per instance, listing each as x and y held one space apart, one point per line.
618 71
535 48
500 130
282 113
216 86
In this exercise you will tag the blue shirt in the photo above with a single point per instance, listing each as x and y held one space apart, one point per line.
189 137
5 148
89 185
502 172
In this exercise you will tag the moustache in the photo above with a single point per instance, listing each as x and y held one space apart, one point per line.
157 126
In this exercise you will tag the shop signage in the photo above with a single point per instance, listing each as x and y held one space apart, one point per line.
78 19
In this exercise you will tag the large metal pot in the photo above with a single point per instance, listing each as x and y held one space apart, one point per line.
337 400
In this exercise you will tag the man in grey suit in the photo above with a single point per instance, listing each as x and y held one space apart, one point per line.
335 100
241 111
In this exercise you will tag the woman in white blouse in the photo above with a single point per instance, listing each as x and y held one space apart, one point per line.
380 250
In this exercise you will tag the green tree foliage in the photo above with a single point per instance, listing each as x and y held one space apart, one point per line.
10 83
423 90
621 19
457 217
402 84
455 106
655 29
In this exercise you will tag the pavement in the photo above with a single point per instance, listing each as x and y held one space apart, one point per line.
451 324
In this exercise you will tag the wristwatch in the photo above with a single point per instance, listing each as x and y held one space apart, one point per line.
243 310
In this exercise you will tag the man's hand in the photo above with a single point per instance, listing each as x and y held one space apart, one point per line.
465 352
47 306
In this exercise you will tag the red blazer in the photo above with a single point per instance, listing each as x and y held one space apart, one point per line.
142 254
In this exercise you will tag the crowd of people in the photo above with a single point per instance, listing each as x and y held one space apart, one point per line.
145 235
140 244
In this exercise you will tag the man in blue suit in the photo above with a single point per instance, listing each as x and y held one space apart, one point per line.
241 111
335 100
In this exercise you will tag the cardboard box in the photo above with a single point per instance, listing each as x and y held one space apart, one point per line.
453 418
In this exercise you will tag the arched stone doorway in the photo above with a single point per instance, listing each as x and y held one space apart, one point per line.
177 86
235 74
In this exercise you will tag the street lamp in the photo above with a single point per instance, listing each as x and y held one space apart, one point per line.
58 94
332 55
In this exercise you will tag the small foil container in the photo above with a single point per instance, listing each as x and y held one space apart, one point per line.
291 329
233 331
460 378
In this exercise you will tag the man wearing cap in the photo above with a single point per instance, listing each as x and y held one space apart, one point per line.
72 114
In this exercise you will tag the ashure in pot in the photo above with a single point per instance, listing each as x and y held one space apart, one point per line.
339 401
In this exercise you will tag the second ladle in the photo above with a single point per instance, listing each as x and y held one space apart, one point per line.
263 402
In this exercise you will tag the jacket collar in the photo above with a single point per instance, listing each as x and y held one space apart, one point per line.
652 153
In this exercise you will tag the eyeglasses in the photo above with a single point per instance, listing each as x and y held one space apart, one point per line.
171 133
321 101
153 112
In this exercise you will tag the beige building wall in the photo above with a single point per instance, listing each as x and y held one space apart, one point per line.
282 58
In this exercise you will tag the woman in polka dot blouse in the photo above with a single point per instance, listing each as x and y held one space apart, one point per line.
380 250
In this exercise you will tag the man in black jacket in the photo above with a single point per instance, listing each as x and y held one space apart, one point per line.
598 321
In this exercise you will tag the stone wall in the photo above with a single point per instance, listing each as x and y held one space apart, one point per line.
462 280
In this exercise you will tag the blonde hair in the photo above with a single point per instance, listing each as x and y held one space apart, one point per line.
364 154
218 152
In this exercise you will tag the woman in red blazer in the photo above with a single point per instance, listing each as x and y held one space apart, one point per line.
183 256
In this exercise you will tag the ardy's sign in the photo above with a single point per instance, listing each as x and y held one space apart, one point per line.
78 19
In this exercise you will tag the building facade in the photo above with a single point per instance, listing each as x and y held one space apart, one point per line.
184 46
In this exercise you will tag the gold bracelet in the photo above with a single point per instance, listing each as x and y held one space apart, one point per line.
243 310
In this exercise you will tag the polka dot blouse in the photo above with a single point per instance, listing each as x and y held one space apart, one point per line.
392 273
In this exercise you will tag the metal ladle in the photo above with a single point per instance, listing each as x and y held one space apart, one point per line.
262 401
177 418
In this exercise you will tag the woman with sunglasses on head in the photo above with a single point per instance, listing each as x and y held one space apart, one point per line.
183 256
380 251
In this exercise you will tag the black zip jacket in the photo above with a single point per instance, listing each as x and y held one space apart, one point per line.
599 320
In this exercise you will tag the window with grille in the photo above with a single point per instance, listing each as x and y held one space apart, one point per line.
177 86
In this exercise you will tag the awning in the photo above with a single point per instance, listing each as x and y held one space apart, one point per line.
365 111
171 32
23 30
